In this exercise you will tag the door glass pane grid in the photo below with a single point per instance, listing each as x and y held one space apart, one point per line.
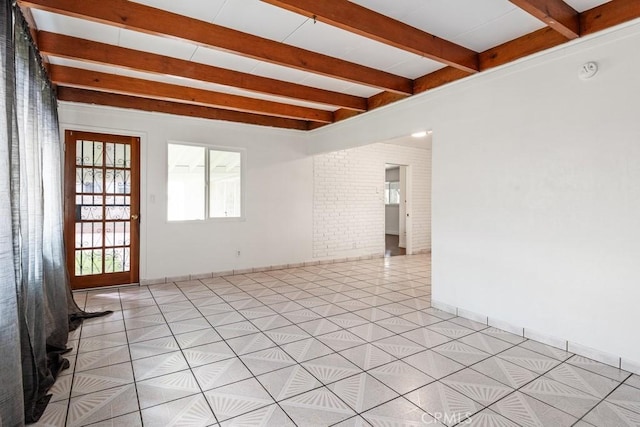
108 233
89 153
118 155
88 262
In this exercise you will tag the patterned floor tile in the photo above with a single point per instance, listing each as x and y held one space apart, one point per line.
307 349
223 319
399 413
503 335
461 353
100 358
633 381
54 415
61 389
356 421
250 343
529 412
319 327
467 323
547 350
288 382
476 386
208 353
450 329
608 414
221 373
421 318
488 418
271 415
397 324
197 338
505 372
102 342
398 346
362 392
154 347
594 384
599 368
256 312
340 340
182 315
165 388
267 360
148 333
156 319
626 397
528 359
189 411
367 356
347 320
331 368
190 325
401 376
238 329
287 334
102 329
561 396
270 322
238 398
159 365
439 313
300 316
99 379
450 406
102 405
395 308
433 364
370 332
373 314
426 338
486 343
133 419
317 408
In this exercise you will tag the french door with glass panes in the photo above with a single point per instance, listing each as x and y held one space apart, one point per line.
102 215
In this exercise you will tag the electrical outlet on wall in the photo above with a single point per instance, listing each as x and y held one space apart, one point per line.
238 253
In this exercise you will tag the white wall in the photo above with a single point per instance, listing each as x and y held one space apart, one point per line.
536 190
349 211
279 187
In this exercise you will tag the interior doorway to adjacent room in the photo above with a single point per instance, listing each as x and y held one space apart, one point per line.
396 203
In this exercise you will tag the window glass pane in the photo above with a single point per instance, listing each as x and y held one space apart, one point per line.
186 192
225 189
394 192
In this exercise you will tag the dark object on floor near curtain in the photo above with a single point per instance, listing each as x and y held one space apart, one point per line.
36 304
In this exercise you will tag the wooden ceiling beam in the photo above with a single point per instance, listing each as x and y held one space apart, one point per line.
63 46
555 13
138 17
609 14
85 79
537 41
365 22
154 105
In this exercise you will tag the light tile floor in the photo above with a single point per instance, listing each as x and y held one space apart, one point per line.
350 344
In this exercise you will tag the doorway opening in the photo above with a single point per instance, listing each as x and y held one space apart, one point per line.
396 196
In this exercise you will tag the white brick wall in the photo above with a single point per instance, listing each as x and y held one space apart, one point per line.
348 200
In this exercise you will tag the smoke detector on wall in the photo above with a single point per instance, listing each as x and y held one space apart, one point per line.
588 70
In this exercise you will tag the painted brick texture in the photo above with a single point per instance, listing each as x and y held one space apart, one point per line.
348 200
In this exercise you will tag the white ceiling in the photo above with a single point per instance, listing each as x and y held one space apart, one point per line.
475 24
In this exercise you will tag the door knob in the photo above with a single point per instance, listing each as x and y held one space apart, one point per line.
134 216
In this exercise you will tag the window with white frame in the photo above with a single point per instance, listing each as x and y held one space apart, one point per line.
203 183
391 193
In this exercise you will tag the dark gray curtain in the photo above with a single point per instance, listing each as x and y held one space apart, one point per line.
35 300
